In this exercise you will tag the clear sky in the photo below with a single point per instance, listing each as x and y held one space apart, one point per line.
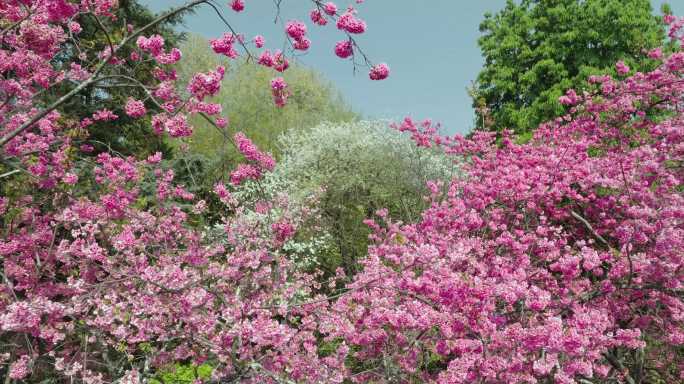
430 46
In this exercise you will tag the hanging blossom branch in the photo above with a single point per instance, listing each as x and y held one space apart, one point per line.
346 22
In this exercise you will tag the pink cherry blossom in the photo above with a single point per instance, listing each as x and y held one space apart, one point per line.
237 5
379 72
135 108
295 29
350 23
259 41
330 8
622 68
318 18
344 49
104 115
225 45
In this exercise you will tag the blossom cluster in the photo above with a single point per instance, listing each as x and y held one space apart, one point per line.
259 161
154 45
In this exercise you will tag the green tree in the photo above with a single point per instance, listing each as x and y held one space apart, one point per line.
536 50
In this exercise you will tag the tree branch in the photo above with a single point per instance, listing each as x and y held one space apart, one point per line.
103 63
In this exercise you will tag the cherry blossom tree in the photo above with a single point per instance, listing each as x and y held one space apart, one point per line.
104 276
560 260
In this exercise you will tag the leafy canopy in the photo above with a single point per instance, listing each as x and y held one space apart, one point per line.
536 50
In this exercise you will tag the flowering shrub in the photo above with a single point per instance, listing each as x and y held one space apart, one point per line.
558 260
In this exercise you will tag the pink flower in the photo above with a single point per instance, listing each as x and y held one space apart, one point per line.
278 84
77 72
318 18
570 98
276 60
135 108
295 29
221 122
379 72
344 49
153 45
206 84
350 23
330 8
178 126
221 191
155 158
244 172
20 368
252 153
279 91
280 63
172 57
75 28
302 44
656 53
266 59
258 41
104 115
237 5
283 231
70 178
203 107
622 68
224 45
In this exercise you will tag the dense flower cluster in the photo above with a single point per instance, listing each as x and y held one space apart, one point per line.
551 261
330 8
135 108
206 84
252 153
350 23
379 72
259 41
318 18
297 31
237 5
344 49
154 45
225 45
277 60
559 259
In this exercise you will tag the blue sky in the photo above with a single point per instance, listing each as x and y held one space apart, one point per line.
430 46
